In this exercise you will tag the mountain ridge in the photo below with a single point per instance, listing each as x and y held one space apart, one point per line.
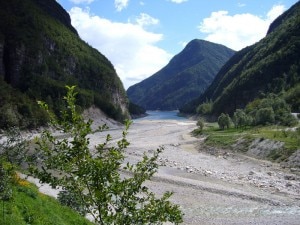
186 75
269 66
41 53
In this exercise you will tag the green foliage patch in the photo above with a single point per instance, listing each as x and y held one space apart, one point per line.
95 177
229 137
28 206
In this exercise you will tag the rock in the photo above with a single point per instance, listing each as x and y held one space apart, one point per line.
294 170
190 171
241 177
207 172
294 160
289 177
251 172
261 148
270 173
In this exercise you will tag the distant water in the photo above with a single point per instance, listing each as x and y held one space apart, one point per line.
162 115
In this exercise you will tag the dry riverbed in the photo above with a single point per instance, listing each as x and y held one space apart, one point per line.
213 189
227 188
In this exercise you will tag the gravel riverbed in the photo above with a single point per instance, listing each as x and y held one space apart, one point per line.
229 188
226 188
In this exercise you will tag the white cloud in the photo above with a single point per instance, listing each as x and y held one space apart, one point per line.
130 48
82 1
275 12
239 30
178 1
145 20
121 4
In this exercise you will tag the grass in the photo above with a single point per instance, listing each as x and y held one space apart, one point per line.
28 206
228 137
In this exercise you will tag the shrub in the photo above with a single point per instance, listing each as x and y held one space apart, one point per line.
205 108
95 177
71 200
224 121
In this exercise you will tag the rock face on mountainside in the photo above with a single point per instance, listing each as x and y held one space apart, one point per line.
270 66
184 78
41 52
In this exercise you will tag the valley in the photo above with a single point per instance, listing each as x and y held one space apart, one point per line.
213 189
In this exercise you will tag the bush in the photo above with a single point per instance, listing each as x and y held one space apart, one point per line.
271 110
224 121
95 177
265 116
205 108
71 200
241 119
9 116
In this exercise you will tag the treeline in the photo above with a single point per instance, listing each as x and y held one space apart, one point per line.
269 110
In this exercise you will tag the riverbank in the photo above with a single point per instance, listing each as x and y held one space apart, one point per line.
226 189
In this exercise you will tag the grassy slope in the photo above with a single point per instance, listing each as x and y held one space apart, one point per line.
29 206
226 139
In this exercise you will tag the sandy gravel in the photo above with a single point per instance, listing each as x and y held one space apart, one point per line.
213 189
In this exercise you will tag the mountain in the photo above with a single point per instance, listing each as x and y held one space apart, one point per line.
270 66
40 53
184 78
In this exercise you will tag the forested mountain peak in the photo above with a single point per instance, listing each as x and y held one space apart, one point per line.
270 66
56 11
183 78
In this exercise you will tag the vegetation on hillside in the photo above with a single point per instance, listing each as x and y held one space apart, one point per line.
184 78
136 110
40 55
21 203
264 118
240 139
28 206
18 110
269 66
97 181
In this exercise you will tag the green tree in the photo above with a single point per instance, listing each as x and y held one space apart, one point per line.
224 121
271 109
205 108
265 116
241 119
111 190
200 124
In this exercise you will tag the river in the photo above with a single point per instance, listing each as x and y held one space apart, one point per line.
161 115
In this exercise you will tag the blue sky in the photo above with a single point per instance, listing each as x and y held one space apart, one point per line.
140 36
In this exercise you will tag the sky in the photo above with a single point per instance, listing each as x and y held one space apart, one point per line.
140 37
